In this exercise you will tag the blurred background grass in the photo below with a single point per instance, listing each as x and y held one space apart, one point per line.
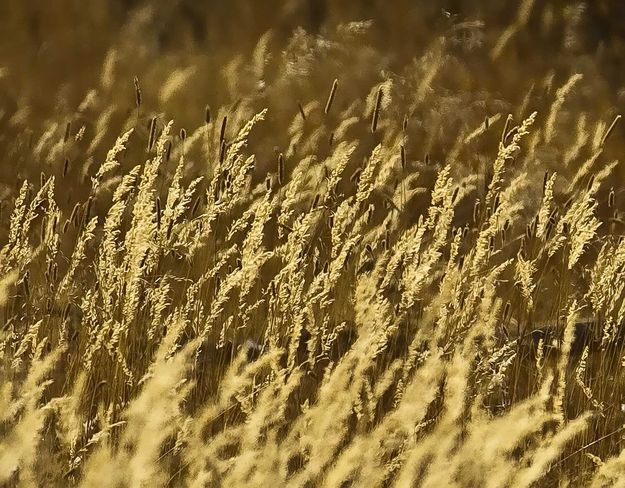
53 52
70 62
48 38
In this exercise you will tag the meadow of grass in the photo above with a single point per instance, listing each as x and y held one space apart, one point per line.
307 244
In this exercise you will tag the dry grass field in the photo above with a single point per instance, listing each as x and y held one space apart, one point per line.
310 243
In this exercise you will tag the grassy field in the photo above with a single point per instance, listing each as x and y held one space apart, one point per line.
308 243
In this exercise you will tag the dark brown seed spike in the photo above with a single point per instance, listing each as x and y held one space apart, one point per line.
168 152
506 310
68 128
222 151
138 97
280 169
88 209
152 133
222 132
301 110
316 200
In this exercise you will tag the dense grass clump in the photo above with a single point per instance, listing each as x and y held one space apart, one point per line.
317 256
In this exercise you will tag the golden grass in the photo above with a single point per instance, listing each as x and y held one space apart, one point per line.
402 281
